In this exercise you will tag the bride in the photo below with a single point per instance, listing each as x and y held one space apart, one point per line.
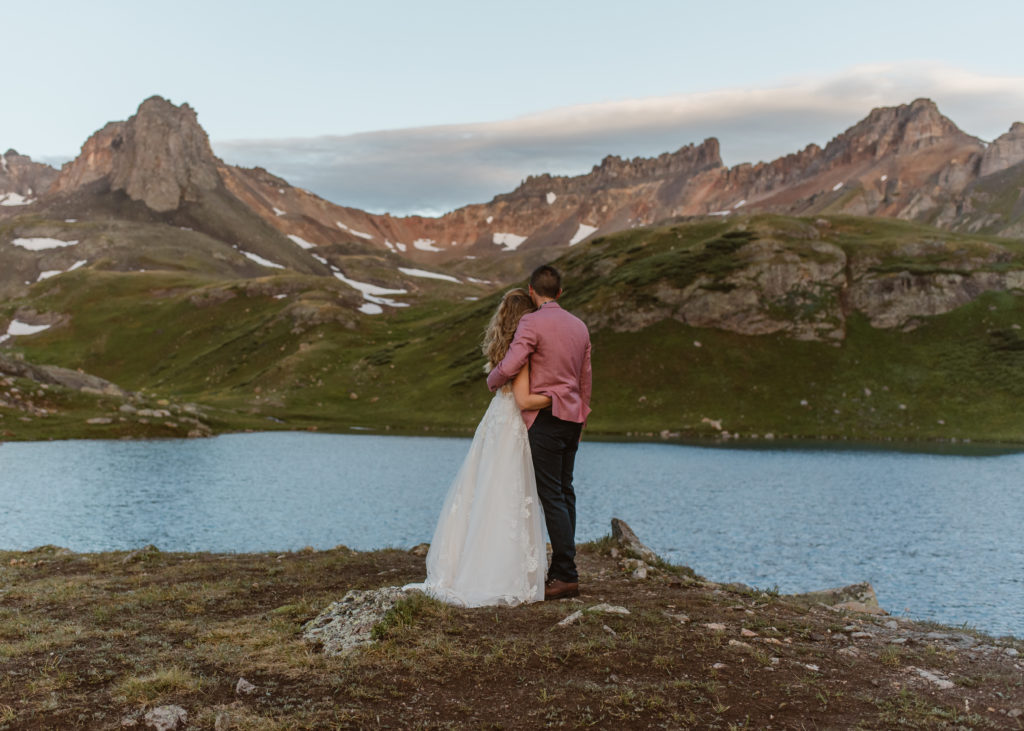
488 547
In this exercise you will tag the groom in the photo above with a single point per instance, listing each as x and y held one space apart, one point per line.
557 345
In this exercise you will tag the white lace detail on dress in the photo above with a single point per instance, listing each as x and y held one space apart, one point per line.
489 540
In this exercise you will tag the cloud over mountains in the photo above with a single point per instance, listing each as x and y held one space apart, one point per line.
431 170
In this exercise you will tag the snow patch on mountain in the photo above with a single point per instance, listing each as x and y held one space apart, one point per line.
511 242
428 275
301 242
581 233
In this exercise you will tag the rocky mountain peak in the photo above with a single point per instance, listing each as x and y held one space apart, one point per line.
1005 151
159 156
616 172
21 179
889 131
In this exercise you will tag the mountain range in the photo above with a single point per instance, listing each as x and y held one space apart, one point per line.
884 266
908 162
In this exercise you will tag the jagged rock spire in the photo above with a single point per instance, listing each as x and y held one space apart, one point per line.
160 156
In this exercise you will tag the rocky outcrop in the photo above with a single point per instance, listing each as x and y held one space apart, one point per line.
806 288
57 376
1005 151
615 172
22 180
935 278
160 156
629 542
891 131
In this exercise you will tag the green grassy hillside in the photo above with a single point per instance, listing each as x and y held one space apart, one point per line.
257 360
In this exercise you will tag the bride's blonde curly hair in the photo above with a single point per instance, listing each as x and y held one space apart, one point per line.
502 327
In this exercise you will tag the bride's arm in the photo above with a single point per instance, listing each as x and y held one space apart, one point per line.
521 390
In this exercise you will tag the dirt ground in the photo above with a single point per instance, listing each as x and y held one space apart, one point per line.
97 640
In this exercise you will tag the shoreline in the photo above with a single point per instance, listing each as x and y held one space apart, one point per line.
11 556
963 447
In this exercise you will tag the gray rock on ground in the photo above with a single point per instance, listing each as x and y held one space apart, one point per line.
347 624
166 718
596 609
853 598
627 539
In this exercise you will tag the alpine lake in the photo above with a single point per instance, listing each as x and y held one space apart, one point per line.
937 534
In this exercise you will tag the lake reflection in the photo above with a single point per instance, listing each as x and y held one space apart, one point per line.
936 535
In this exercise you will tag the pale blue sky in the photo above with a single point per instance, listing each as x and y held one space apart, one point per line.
269 71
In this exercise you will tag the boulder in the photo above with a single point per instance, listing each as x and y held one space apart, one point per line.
627 539
348 624
167 718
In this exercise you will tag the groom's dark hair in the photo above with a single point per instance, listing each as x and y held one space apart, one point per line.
546 281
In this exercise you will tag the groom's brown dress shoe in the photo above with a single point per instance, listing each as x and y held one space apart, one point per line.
558 589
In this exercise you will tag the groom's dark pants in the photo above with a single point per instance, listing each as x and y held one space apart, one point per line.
553 443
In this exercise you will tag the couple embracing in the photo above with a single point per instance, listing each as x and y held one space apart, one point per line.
488 547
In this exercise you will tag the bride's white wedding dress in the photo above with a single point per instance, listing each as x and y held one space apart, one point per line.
488 547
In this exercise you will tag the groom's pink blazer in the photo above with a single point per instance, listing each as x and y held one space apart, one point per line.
557 344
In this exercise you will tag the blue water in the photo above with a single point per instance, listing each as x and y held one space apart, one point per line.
938 536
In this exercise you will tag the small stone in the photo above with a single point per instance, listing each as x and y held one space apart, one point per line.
640 572
1014 712
608 609
609 630
892 624
861 635
898 641
167 718
244 687
737 643
614 553
816 637
572 618
747 633
810 666
681 618
1011 651
145 553
934 678
715 626
719 666
420 549
99 420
